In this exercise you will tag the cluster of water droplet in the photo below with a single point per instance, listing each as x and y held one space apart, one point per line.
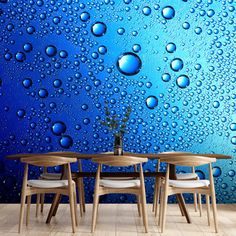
174 64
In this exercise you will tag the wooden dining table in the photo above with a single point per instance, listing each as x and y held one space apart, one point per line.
152 156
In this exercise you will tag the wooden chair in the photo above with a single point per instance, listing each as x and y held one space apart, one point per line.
57 176
65 186
107 186
171 187
181 176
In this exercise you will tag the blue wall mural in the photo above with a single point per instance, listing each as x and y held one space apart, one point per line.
173 62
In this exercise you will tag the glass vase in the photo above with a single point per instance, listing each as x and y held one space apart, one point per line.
118 144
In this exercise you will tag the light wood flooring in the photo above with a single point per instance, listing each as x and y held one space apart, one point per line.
117 220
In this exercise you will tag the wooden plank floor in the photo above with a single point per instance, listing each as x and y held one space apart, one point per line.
117 220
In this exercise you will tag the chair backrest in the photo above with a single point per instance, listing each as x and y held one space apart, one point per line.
47 161
187 160
121 161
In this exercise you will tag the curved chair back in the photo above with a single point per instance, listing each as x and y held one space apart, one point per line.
47 161
188 160
121 161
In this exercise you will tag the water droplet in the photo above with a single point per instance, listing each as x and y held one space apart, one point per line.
43 93
56 20
57 83
30 30
102 50
176 64
58 128
151 102
166 77
8 56
121 31
66 141
51 50
198 30
170 47
136 48
233 126
85 16
147 11
231 173
216 104
63 54
168 12
20 113
27 83
186 25
183 81
98 29
216 171
210 13
198 66
129 63
27 47
233 140
20 56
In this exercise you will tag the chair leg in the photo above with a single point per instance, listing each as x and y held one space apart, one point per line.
42 201
195 201
80 197
161 207
75 203
139 206
157 195
37 204
208 208
72 209
213 199
200 203
28 209
83 193
22 209
95 210
165 199
144 212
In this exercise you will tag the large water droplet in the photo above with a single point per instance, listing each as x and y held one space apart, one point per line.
51 50
147 11
20 113
216 171
129 63
58 128
66 141
43 93
27 47
27 83
151 102
183 81
98 29
176 64
170 47
233 140
20 56
233 126
85 16
166 77
168 12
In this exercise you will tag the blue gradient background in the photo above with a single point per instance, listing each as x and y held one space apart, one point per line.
199 118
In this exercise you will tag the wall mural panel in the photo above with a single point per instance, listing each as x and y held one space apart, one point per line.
172 62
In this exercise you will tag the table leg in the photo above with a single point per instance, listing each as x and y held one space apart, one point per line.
179 197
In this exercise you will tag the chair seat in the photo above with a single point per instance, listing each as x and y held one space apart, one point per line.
38 183
189 183
112 183
51 176
186 176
